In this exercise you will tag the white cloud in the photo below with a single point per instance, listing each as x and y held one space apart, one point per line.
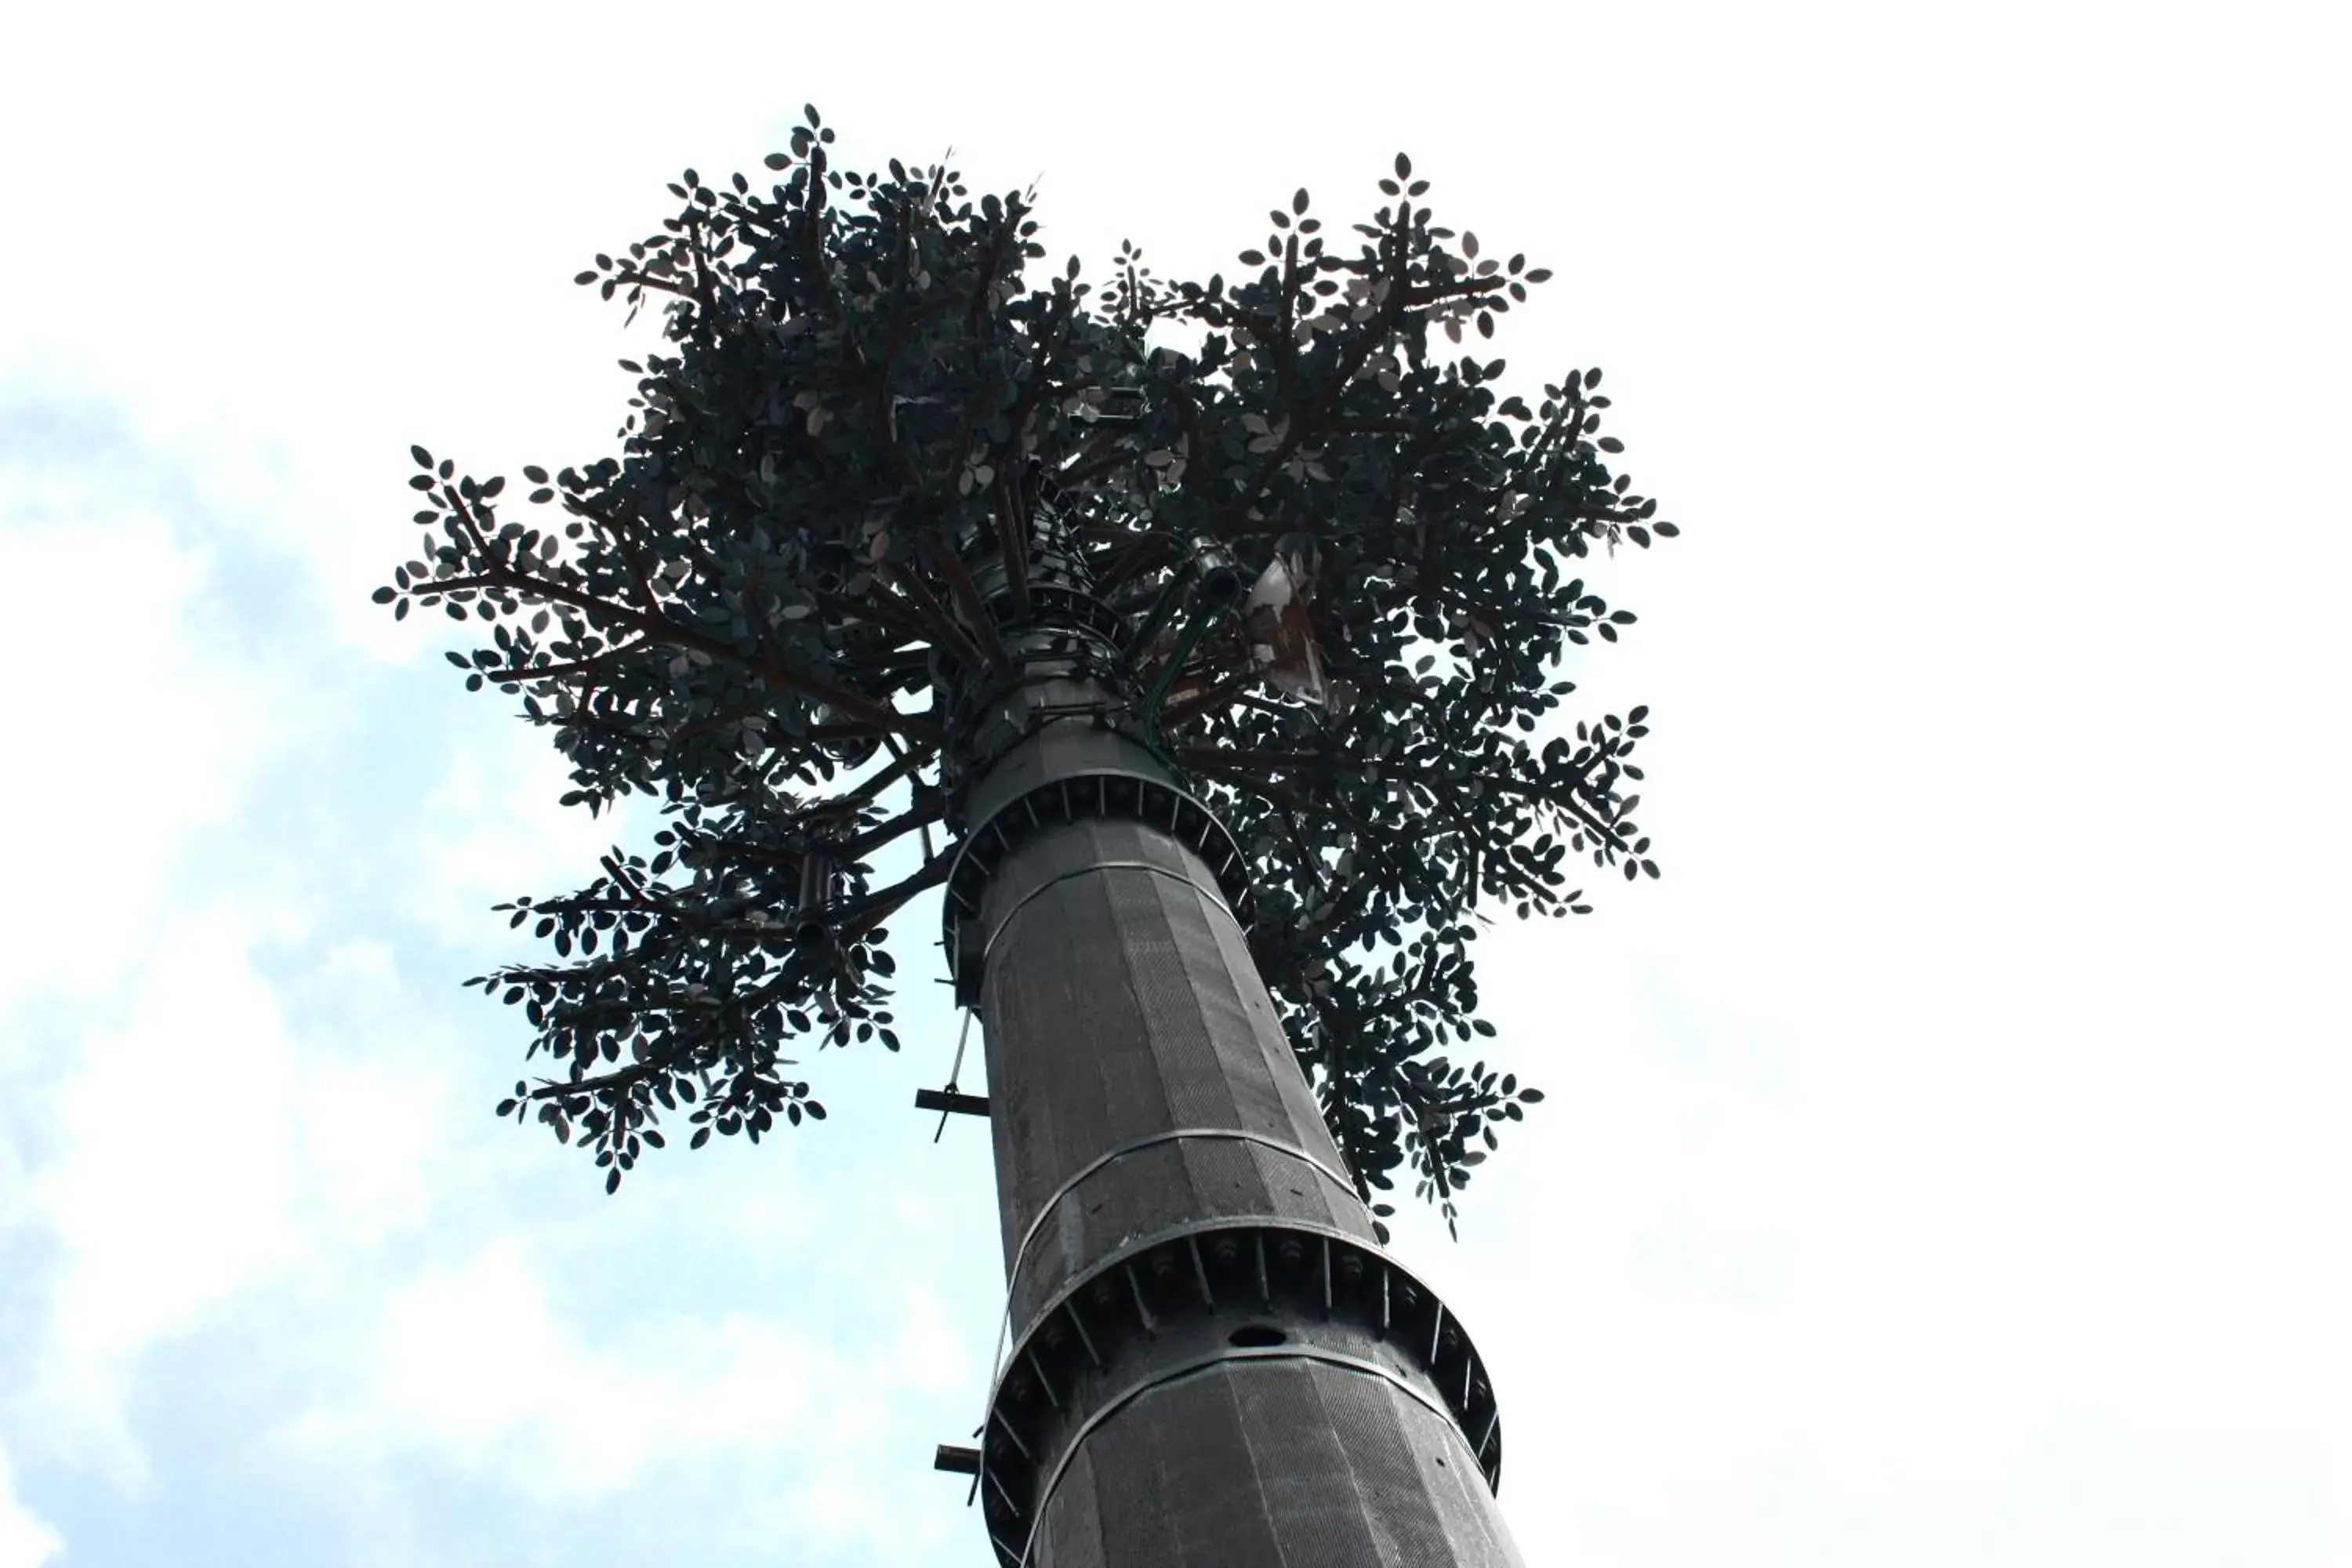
477 1364
25 1540
141 1047
1981 1264
472 1363
138 731
492 829
201 1153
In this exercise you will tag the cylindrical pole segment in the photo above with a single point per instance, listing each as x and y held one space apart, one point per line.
1214 1365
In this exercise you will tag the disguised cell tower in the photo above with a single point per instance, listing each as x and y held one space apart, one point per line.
1230 678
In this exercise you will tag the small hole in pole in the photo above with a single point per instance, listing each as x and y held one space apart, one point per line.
1257 1337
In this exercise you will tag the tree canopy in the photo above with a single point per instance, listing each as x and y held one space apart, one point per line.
757 611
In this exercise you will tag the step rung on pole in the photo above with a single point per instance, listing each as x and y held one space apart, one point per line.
949 1099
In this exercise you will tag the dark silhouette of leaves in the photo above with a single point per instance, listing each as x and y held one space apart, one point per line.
763 610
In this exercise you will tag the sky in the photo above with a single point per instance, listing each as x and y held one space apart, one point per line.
1943 1163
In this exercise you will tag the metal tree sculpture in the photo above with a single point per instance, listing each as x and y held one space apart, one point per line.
895 538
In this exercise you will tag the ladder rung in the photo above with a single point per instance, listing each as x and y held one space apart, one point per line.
947 1100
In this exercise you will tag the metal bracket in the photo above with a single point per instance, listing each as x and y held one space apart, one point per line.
947 1100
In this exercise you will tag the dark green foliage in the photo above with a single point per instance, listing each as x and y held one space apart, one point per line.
744 614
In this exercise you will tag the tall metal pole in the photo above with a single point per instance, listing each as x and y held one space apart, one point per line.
1212 1361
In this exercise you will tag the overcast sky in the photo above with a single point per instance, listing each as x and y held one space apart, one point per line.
1944 1163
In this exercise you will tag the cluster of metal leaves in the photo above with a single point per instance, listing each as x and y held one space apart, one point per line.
747 611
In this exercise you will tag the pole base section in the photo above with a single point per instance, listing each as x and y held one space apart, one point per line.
1273 1464
1277 1381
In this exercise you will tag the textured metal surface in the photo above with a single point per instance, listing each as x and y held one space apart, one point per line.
1121 1004
1213 1362
1228 1297
1065 773
1271 1463
1194 1136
